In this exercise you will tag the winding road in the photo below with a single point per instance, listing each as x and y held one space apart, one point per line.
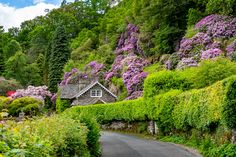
119 145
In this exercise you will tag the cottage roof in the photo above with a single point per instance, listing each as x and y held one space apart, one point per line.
90 86
68 91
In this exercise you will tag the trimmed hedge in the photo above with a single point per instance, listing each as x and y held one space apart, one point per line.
164 81
202 109
126 110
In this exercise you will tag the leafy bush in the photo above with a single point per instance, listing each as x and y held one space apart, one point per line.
164 81
54 136
4 101
61 105
209 72
206 74
30 106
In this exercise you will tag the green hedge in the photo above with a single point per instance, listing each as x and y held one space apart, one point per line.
126 110
164 81
202 109
208 72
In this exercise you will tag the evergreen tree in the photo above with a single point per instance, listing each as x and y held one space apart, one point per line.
58 58
1 51
40 63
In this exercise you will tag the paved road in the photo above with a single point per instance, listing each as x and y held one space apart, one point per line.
119 145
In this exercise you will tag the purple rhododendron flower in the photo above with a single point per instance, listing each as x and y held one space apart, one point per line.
211 53
39 93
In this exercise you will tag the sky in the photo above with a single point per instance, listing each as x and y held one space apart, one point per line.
14 12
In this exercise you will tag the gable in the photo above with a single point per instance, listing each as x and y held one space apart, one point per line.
95 85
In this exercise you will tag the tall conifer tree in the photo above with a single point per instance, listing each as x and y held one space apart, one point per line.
59 56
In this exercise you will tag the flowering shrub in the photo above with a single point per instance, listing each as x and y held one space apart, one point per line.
129 41
211 53
96 67
218 26
130 68
206 43
67 76
39 93
231 50
187 62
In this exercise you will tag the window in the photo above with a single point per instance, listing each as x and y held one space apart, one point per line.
96 93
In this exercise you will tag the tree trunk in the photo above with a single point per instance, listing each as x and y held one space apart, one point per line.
234 136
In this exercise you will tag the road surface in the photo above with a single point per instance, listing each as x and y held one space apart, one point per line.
119 145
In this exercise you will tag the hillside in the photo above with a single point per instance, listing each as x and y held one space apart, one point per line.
121 40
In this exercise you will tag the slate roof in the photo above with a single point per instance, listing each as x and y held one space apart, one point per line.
90 86
71 91
68 91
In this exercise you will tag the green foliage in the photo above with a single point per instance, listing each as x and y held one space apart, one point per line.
125 110
59 56
30 106
32 75
11 48
191 31
61 105
210 71
164 81
83 36
226 7
165 39
153 68
54 136
93 134
200 109
40 63
194 16
162 108
15 67
229 108
4 101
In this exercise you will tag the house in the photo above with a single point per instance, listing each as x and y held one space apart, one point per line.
85 94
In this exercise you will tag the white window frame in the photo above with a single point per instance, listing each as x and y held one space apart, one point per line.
98 93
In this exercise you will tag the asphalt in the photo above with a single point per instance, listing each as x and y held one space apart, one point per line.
120 145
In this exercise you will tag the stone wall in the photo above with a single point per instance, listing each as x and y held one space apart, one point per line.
148 127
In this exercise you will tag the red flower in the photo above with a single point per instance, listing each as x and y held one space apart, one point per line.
10 93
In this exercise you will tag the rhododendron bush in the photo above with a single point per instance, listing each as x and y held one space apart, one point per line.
210 41
129 63
39 93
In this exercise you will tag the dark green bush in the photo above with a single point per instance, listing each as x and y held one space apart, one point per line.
26 104
164 81
229 108
61 105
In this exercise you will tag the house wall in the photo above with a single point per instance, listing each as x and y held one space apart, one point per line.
85 99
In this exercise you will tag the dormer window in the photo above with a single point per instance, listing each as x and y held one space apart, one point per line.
96 93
